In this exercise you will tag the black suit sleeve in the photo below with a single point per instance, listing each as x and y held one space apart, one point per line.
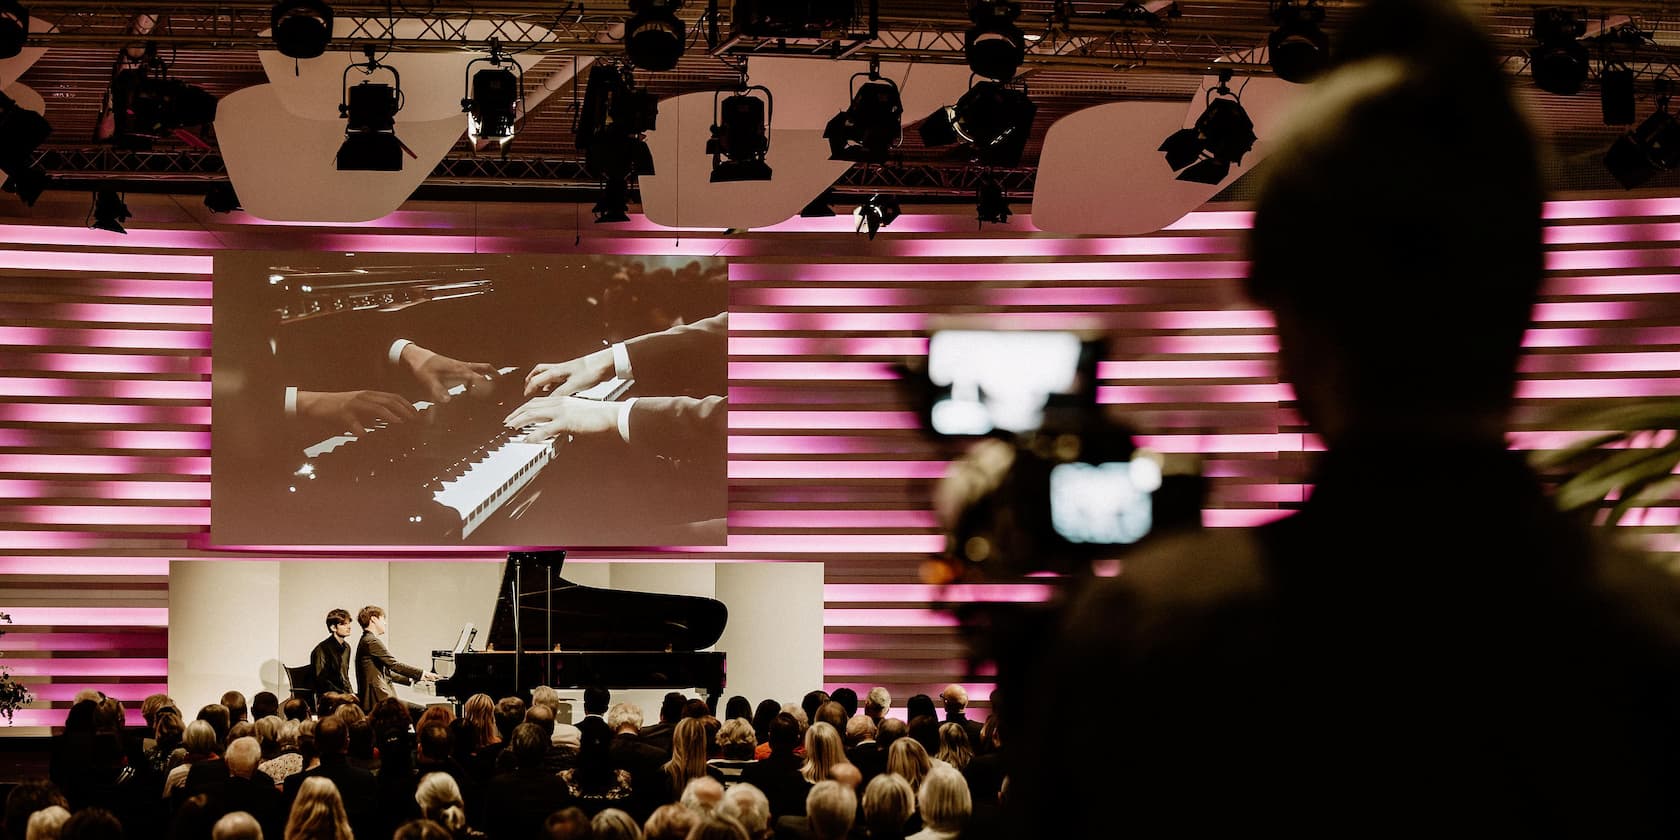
687 359
681 427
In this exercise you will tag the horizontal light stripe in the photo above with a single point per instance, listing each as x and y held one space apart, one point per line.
811 371
89 617
112 263
877 346
832 519
82 642
1149 394
84 565
135 238
988 272
126 692
808 445
104 439
887 618
1601 363
1187 369
1215 518
807 470
161 339
149 491
87 667
1611 208
1589 336
1574 389
1603 234
839 420
1129 246
115 363
102 464
131 313
83 414
921 593
1595 260
104 515
431 243
1285 442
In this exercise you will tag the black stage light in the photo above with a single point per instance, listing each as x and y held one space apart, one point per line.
147 105
653 36
613 123
370 113
1560 63
109 212
876 213
783 19
871 127
614 204
819 207
495 97
993 118
1220 138
741 135
994 45
14 28
1298 49
1615 94
301 28
221 199
1643 152
991 204
22 131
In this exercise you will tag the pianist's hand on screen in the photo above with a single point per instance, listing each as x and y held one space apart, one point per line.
355 411
569 377
438 373
554 416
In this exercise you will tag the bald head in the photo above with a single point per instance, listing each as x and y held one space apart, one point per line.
243 756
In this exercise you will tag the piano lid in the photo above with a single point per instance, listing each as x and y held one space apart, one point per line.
590 618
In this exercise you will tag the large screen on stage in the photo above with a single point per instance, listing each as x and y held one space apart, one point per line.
506 400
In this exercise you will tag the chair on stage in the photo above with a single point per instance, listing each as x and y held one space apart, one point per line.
302 679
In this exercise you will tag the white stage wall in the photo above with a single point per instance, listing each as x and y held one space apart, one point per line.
233 623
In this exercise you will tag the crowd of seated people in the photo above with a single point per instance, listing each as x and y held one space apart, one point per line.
822 768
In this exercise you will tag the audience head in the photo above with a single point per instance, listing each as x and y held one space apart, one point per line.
218 717
478 719
718 827
291 736
318 812
813 701
696 708
47 823
149 707
907 758
547 697
888 803
943 800
242 729
925 730
784 733
332 738
877 702
847 699
529 743
169 730
108 716
669 822
671 710
543 716
596 700
235 703
267 732
361 739
1476 237
422 830
735 738
830 808
91 824
751 807
263 704
82 717
510 712
237 825
688 752
823 750
439 798
953 746
624 717
890 730
859 729
833 714
919 705
846 773
435 743
196 817
243 756
567 824
26 798
761 718
613 824
702 795
294 709
200 739
737 707
798 715
954 698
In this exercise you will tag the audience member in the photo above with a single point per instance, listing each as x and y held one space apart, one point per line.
688 756
563 736
202 747
812 702
888 805
167 732
907 758
703 796
516 802
26 798
475 729
953 746
613 824
862 748
247 790
830 809
263 704
848 701
239 825
91 824
594 782
717 827
149 707
876 704
220 719
766 712
567 824
736 746
752 808
289 758
823 750
294 709
833 714
955 700
696 708
669 822
920 705
235 703
318 812
356 791
944 805
778 775
924 730
422 830
596 701
47 823
438 797
737 707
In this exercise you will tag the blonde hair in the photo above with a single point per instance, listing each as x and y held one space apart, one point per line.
688 754
736 733
944 800
318 813
908 759
479 716
888 803
823 750
201 738
439 798
47 823
953 746
613 824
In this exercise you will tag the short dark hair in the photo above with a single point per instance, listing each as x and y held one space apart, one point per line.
671 710
235 703
368 614
263 704
294 709
596 700
919 705
219 718
833 714
92 824
26 798
336 617
890 730
784 732
436 743
847 699
568 824
696 708
813 701
529 743
510 712
332 737
925 729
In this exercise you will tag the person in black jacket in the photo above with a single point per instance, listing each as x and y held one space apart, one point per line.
330 660
778 776
376 668
518 801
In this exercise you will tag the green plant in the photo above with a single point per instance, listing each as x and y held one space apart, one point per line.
1631 458
13 694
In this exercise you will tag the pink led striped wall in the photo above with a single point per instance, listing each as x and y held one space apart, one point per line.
104 399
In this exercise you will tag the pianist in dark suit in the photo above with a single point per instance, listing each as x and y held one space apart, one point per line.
331 658
376 668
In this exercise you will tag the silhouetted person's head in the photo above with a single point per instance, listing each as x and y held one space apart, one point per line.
1397 233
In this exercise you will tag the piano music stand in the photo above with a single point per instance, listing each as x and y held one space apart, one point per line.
549 562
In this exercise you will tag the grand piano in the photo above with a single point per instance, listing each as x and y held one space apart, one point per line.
573 636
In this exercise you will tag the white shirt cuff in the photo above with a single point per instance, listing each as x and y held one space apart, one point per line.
624 416
394 355
621 362
291 401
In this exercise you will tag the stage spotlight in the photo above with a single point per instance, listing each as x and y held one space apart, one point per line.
653 36
819 207
147 105
1615 94
1560 63
301 28
876 213
109 212
991 203
614 204
1298 49
221 199
871 127
1643 152
995 119
613 123
22 131
14 28
741 135
994 45
495 97
370 131
781 19
1222 135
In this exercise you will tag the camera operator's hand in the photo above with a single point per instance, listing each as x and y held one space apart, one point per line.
569 377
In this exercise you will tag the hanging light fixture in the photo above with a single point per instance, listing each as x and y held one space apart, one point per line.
876 213
1298 49
994 45
22 131
495 96
301 28
1560 63
14 28
109 212
740 138
1220 138
654 35
993 118
872 126
370 113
